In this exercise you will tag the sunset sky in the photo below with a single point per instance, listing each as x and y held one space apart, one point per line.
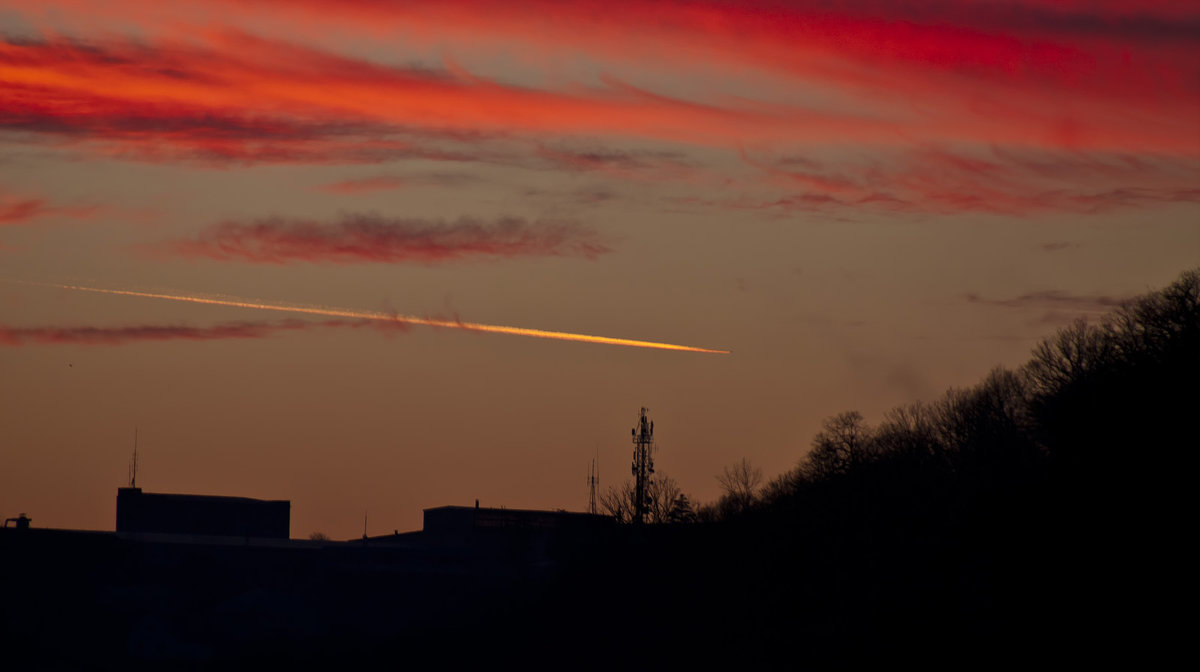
864 202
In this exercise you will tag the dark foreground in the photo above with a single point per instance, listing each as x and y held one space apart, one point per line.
987 588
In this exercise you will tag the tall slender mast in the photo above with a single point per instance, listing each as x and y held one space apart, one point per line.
133 462
593 481
643 465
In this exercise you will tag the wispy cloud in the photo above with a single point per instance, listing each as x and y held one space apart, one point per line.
1111 45
122 335
17 210
366 185
14 211
227 93
961 105
989 179
247 98
373 238
645 166
1055 299
1000 67
1054 307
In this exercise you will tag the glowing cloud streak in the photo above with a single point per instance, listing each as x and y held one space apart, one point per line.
235 302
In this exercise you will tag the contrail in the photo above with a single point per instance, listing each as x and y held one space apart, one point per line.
236 302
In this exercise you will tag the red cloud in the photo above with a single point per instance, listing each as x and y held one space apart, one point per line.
993 180
987 66
1073 84
16 336
256 99
129 127
1066 79
17 210
372 238
20 211
80 335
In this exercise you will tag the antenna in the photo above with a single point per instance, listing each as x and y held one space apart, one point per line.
364 525
593 481
133 462
643 465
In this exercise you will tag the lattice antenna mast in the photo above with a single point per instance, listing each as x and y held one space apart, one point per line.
593 482
643 465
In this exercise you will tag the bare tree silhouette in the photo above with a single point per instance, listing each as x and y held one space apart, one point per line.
843 444
740 485
667 502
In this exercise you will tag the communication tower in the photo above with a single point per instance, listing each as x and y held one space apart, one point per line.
643 465
593 482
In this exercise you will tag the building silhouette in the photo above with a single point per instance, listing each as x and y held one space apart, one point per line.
207 515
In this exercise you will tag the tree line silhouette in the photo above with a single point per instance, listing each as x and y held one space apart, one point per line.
1089 395
1025 515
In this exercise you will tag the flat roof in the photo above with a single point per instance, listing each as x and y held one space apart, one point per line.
225 498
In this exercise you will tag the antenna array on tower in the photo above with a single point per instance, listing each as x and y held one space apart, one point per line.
643 465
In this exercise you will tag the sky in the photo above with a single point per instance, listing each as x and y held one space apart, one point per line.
307 215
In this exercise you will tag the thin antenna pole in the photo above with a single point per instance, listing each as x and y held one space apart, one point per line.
593 481
133 465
